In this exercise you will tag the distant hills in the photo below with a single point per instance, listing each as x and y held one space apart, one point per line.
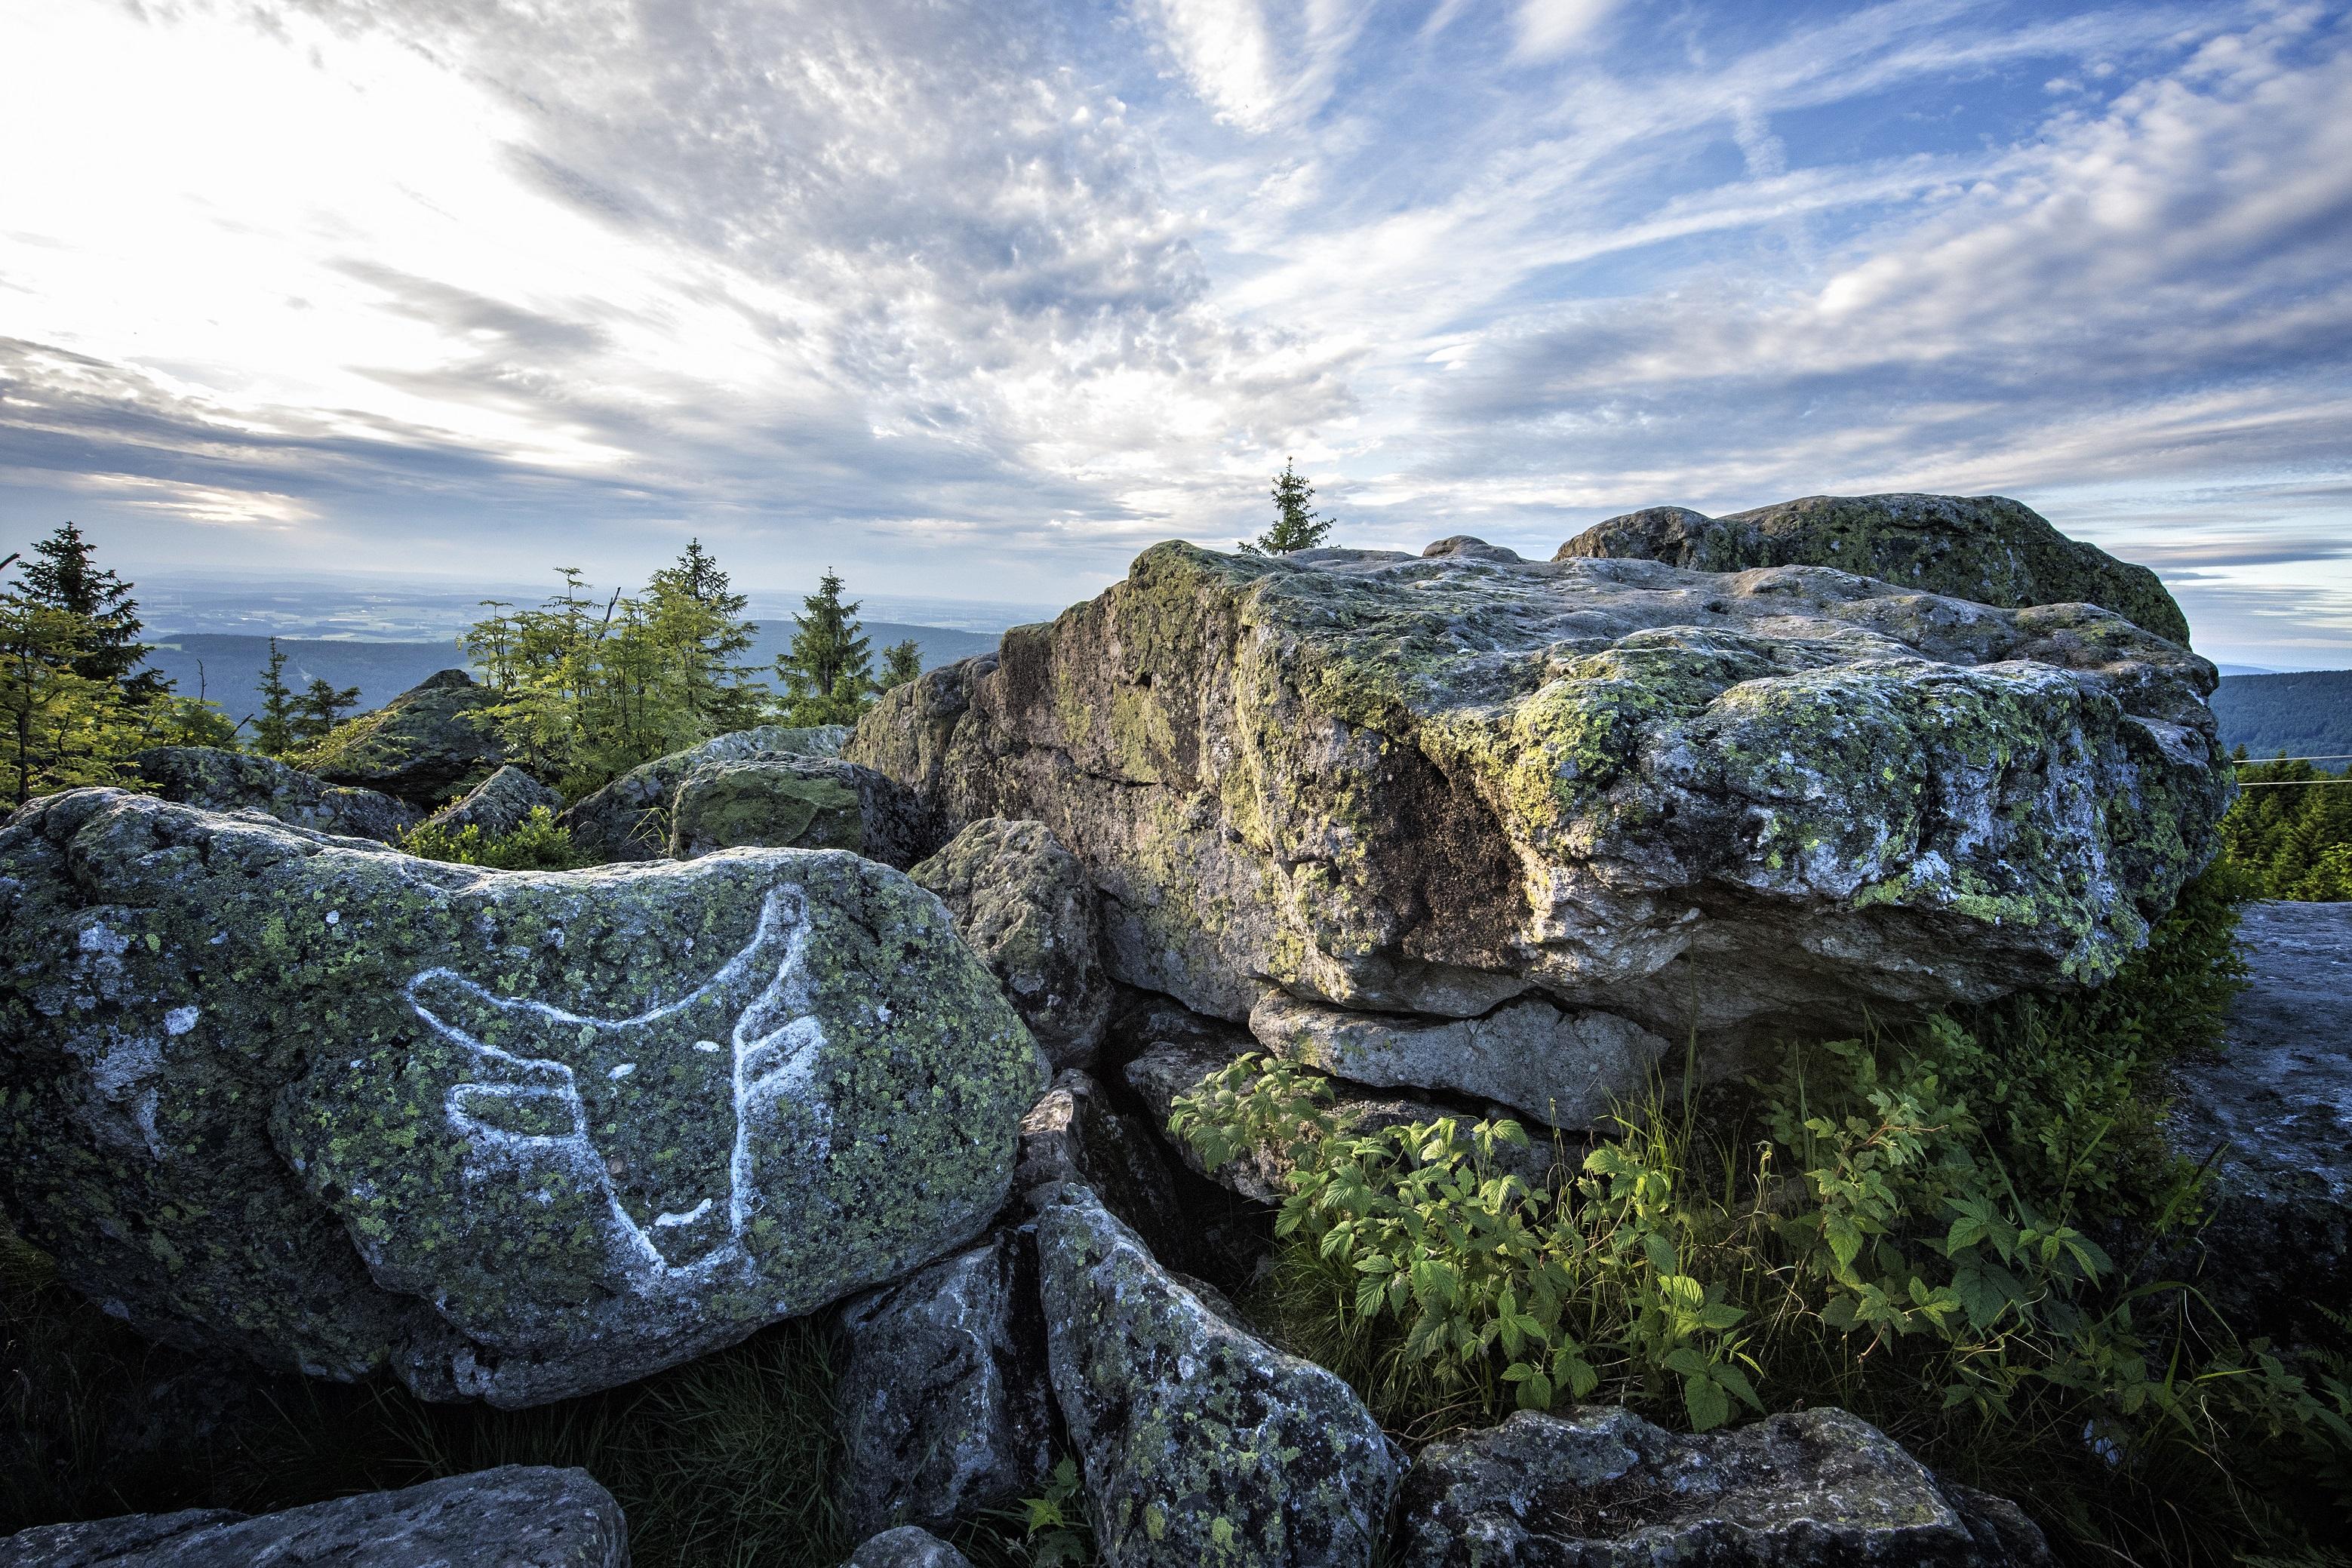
227 667
2306 714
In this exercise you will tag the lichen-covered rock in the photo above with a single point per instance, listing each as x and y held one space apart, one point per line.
518 1516
906 1547
787 802
1203 1447
1564 1067
499 804
425 746
629 819
944 1408
2277 1106
1600 1488
1428 784
1989 549
1025 904
1073 1134
220 780
515 1135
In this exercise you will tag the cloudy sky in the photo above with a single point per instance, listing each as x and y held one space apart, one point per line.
973 299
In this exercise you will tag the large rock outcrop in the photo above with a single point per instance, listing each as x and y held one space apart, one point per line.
1989 549
1203 1447
1600 1488
2275 1107
1025 904
629 819
427 745
220 780
516 1516
515 1135
1428 785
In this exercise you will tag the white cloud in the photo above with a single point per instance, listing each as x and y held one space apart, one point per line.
1548 29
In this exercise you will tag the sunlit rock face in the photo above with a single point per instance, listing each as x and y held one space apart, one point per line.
1732 803
514 1136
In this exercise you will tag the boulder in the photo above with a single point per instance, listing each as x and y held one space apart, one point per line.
1989 549
628 819
518 1516
1561 1067
944 1409
1073 1134
2276 1106
220 780
1201 1442
1430 785
786 802
1025 904
906 1547
499 804
514 1135
1600 1488
425 746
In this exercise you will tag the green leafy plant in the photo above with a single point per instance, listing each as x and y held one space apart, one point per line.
538 843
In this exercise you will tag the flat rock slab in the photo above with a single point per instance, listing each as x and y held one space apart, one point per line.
1427 785
518 1516
516 1135
2278 1104
1600 1488
1201 1444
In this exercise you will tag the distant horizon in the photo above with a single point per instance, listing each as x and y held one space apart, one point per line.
978 300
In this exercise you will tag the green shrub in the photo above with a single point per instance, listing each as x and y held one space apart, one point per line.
1912 1226
538 844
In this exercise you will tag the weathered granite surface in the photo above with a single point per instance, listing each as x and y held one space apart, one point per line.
1989 549
1203 1445
221 780
1599 1487
1740 803
518 1516
907 1546
513 1135
499 804
1025 904
778 802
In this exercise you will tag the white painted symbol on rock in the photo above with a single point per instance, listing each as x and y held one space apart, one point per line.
532 1107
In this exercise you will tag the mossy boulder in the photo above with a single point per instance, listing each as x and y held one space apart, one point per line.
908 1546
629 819
498 805
772 801
1025 904
426 745
221 780
1600 1488
510 1135
1744 803
1203 1447
1990 548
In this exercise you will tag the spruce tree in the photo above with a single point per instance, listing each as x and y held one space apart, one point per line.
320 706
1296 526
828 672
273 731
901 662
64 578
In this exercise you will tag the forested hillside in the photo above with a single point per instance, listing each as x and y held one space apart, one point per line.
2305 714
